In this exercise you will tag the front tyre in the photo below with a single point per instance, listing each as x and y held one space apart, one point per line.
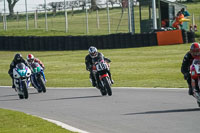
21 96
102 90
198 103
42 85
24 89
107 86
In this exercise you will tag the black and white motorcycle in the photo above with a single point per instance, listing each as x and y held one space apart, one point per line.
21 76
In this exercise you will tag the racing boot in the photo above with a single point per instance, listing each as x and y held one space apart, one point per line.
92 79
93 82
190 91
112 81
13 85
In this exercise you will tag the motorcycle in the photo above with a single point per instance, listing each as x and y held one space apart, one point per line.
195 79
103 81
21 75
37 77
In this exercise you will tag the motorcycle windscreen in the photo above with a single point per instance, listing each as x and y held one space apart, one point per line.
21 69
197 65
36 67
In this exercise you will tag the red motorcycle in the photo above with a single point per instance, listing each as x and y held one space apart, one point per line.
195 78
100 70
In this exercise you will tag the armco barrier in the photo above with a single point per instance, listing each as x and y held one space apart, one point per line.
120 40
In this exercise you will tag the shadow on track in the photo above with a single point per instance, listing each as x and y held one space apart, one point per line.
10 99
68 98
9 95
16 95
165 111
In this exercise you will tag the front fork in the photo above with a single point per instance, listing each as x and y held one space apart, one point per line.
194 88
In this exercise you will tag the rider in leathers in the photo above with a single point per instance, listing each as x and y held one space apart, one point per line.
187 61
17 59
90 60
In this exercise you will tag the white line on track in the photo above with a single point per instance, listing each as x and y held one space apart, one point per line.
65 126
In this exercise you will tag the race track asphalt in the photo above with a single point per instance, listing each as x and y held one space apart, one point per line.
128 110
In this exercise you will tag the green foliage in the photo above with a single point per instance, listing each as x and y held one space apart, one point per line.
17 122
157 66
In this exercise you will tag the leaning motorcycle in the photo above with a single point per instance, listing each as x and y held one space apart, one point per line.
21 75
195 79
100 71
37 77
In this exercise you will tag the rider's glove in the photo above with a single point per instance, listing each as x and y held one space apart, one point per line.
89 67
186 76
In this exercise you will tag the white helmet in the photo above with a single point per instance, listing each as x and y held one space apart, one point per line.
93 51
30 58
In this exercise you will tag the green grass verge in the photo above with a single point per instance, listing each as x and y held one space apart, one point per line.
17 122
157 66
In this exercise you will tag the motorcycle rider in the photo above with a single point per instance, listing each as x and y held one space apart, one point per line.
187 61
93 57
31 59
17 59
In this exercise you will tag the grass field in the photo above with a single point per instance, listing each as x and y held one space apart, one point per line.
17 122
157 66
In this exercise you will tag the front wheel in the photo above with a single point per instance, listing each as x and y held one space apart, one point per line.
107 86
21 96
42 85
198 103
24 89
102 89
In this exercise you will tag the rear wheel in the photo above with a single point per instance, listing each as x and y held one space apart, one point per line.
107 86
25 91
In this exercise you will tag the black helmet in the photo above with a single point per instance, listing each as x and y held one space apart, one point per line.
17 57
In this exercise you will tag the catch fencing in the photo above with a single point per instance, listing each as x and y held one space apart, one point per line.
73 18
76 17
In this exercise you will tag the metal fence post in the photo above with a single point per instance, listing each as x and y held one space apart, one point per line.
154 14
35 19
97 14
66 20
4 18
129 17
0 16
108 17
46 24
86 15
17 17
27 25
132 17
